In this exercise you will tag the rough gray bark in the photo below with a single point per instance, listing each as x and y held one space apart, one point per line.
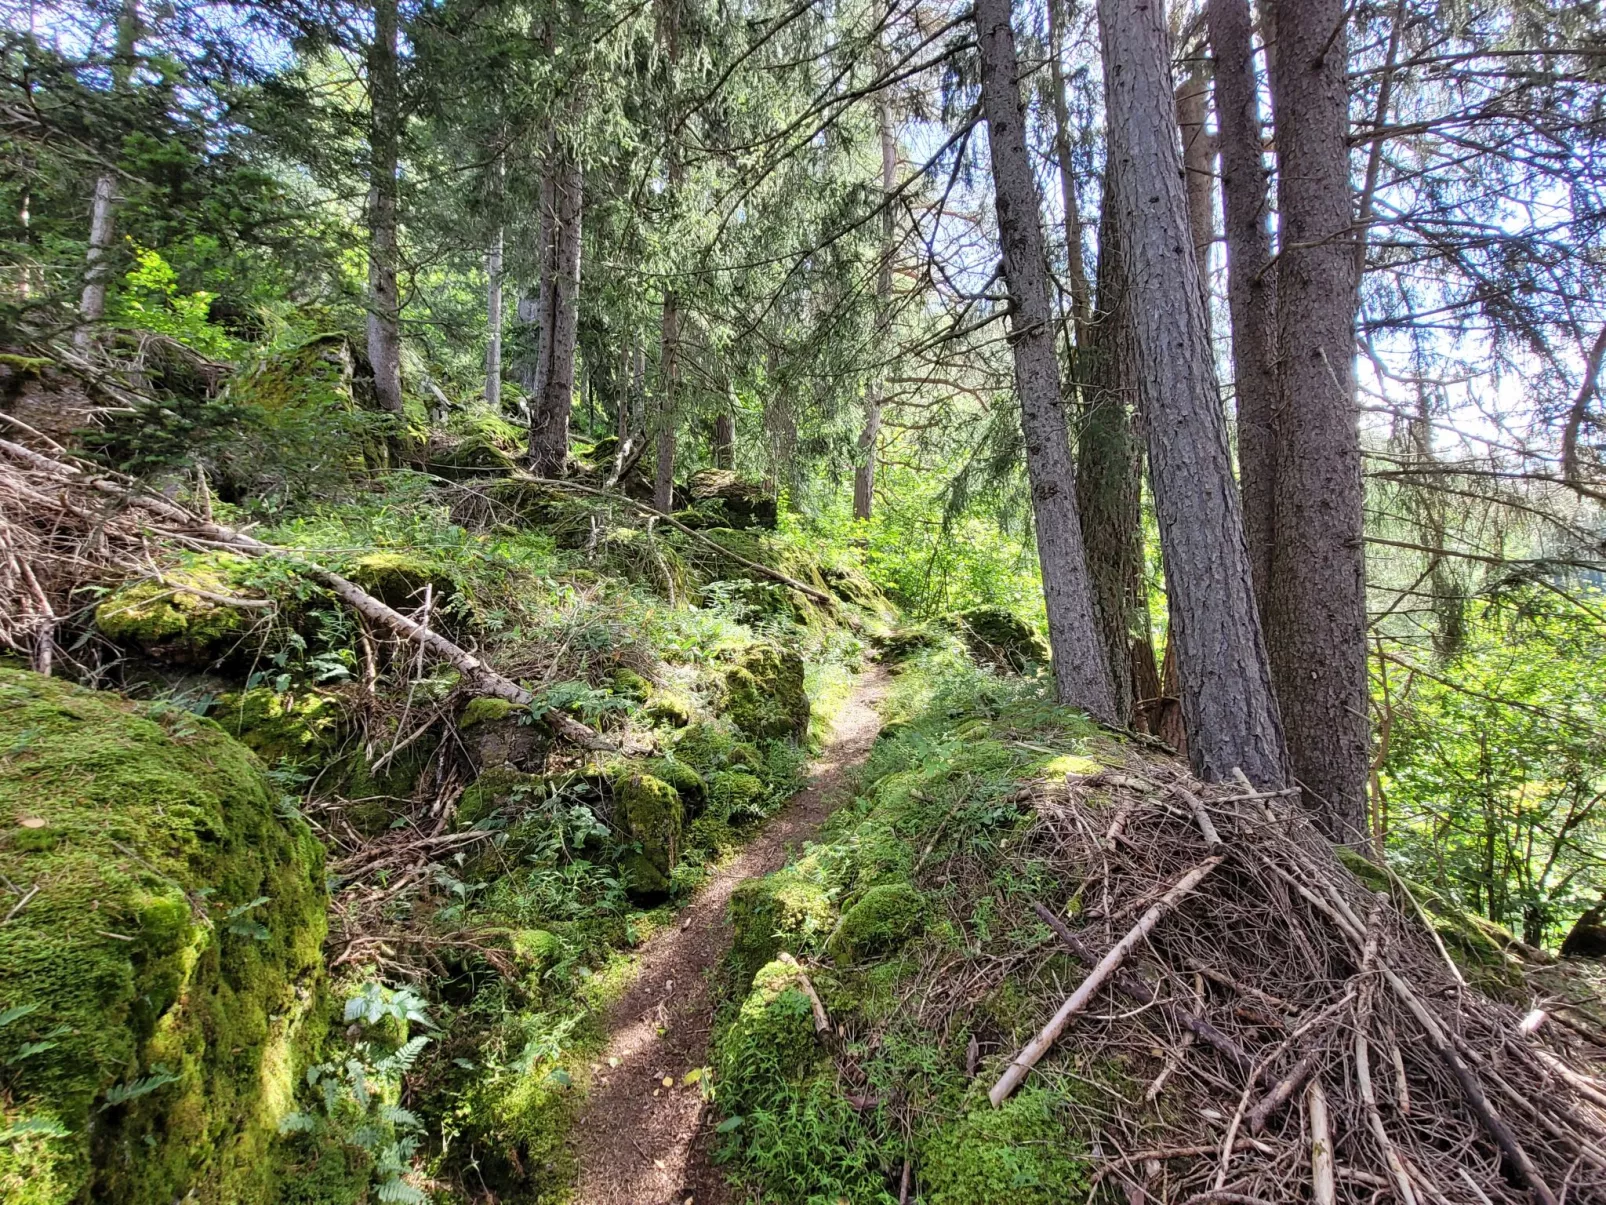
1251 281
1109 469
864 470
103 208
384 139
1317 622
1081 671
493 322
663 476
552 399
724 441
1227 702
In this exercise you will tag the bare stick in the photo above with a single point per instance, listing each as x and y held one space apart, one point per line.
1023 1062
1323 1189
1133 987
1363 1056
822 1019
1201 817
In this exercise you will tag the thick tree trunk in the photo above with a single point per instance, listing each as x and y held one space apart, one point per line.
1317 625
1251 281
1081 670
552 401
103 209
1199 169
384 138
1109 468
663 476
493 323
864 470
1227 702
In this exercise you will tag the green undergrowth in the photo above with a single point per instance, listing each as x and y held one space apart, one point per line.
908 888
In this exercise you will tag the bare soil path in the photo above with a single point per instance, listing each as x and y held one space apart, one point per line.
638 1142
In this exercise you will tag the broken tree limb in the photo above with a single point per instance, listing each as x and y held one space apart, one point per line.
1323 1187
822 1019
1133 987
654 512
485 679
1028 1058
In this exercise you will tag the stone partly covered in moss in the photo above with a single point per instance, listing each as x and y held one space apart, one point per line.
295 727
1001 638
650 813
764 694
732 501
170 959
1022 1153
883 919
770 1043
400 580
688 784
738 797
782 911
495 732
667 710
495 788
631 685
164 620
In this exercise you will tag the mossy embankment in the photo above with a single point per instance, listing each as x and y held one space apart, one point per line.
163 975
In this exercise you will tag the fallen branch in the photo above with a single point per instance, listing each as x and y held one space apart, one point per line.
1134 988
1323 1190
1028 1058
822 1019
486 680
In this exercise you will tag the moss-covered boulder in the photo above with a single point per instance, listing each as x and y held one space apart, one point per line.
494 732
161 982
667 710
688 784
495 788
650 813
164 620
722 497
1001 638
401 579
770 1043
291 726
764 695
738 797
1022 1153
782 911
883 919
631 685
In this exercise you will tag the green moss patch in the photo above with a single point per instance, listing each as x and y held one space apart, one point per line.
163 619
169 962
883 919
650 813
1023 1153
764 694
783 911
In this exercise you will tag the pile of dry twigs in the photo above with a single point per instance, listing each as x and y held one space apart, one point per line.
1302 1038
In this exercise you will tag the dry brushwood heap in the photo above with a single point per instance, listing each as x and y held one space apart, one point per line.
1322 1044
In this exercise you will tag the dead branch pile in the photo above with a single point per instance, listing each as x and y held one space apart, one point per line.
1301 1038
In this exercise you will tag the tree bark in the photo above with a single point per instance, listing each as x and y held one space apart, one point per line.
1227 701
552 402
1251 281
493 322
1075 267
663 477
724 441
1109 468
864 470
384 139
103 208
1317 621
1081 669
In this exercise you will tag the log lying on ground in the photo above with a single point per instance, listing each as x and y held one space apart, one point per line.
192 527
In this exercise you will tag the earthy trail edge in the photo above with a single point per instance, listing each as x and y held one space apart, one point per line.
637 1148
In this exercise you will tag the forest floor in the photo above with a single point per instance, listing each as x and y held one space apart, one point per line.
640 1140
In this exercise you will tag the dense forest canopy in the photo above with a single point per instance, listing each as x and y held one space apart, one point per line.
1250 353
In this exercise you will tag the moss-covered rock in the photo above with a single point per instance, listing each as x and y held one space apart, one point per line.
171 955
293 726
738 796
771 1042
631 685
1022 1153
484 710
764 694
651 815
1001 638
668 710
883 918
722 497
495 788
399 579
495 732
163 619
782 911
688 784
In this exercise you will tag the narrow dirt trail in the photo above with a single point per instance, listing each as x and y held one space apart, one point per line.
638 1142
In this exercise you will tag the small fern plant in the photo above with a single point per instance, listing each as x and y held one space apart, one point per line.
356 1101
